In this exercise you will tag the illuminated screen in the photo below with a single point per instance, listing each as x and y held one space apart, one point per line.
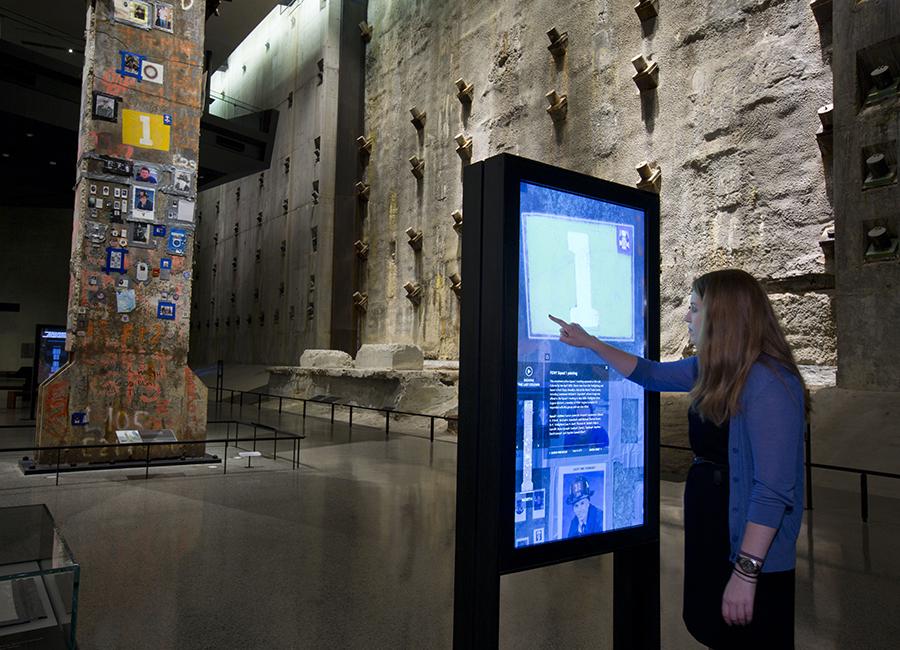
579 424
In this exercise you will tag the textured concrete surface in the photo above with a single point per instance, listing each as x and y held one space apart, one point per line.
265 255
430 391
866 35
731 125
325 359
129 367
355 549
394 356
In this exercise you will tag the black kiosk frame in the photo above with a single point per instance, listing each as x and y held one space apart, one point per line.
487 404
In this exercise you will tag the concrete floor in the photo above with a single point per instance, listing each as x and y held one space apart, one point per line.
355 550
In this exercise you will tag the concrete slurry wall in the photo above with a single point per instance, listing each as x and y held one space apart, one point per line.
275 67
732 125
866 37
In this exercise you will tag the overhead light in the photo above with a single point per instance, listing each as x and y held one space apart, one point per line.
71 50
29 135
6 155
53 162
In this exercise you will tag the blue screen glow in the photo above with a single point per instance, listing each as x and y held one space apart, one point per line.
579 424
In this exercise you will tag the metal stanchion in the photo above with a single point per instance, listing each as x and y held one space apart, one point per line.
864 495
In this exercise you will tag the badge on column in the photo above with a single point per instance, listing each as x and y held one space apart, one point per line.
115 260
177 241
131 64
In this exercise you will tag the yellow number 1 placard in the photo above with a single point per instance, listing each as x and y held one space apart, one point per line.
147 130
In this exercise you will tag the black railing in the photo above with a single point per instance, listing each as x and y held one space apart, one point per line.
295 439
809 466
388 411
327 401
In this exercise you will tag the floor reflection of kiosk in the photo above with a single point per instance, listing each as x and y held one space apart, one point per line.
558 453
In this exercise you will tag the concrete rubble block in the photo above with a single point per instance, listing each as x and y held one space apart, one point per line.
397 356
325 359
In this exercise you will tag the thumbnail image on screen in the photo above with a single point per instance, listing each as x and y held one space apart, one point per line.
579 424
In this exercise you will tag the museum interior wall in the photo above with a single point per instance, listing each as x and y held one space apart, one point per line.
37 239
731 126
729 116
866 194
263 242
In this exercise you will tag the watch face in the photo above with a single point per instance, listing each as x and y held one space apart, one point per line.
748 565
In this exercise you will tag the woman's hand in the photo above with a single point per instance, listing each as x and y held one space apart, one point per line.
737 601
573 334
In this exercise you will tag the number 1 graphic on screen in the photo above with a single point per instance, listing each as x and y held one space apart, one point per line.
583 312
145 130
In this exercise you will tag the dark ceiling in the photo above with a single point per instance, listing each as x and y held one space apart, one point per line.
41 60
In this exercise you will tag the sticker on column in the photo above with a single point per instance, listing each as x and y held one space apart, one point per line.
105 107
130 65
165 310
159 231
165 268
183 181
95 232
146 173
183 212
138 13
164 19
79 419
115 260
177 241
142 272
125 301
147 130
152 72
143 206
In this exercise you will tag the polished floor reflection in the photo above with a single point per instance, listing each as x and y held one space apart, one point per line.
355 550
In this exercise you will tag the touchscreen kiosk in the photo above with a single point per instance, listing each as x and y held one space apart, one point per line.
579 452
558 454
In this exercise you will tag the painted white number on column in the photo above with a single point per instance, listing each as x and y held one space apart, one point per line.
145 131
583 312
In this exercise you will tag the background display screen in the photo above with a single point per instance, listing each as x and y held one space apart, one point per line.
579 424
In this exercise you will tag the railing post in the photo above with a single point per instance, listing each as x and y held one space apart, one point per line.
241 405
432 428
275 447
351 416
387 424
231 404
808 468
254 438
332 412
304 409
864 495
147 465
279 404
259 406
58 452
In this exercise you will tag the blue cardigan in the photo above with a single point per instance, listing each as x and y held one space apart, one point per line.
765 440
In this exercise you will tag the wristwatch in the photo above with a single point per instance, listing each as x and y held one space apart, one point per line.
749 565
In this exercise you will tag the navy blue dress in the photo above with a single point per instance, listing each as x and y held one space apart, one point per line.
706 556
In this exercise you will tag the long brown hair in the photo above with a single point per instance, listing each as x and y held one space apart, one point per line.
739 325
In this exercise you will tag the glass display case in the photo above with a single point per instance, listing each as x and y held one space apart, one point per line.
38 581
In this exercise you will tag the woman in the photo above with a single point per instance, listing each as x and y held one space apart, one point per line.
743 500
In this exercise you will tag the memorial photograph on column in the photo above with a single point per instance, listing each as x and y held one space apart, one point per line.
581 449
